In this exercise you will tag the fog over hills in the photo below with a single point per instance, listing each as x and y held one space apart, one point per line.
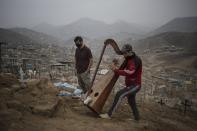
92 29
180 32
185 24
95 32
186 40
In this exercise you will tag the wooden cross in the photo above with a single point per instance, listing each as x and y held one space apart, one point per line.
186 104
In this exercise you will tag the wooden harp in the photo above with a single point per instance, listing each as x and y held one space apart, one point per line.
100 91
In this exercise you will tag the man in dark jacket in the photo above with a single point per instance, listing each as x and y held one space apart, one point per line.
132 73
83 63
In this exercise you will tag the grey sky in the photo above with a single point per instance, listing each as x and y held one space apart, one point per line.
60 12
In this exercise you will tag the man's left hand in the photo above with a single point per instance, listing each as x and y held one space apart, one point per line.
113 66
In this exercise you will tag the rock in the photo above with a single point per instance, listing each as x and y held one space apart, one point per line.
7 80
5 91
46 86
16 105
15 127
15 88
172 102
3 105
7 117
34 93
45 108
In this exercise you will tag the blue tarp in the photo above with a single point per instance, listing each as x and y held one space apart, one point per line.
62 85
64 94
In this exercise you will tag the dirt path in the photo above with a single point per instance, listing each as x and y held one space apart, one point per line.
37 108
75 117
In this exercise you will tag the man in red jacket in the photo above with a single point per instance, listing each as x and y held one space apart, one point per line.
132 73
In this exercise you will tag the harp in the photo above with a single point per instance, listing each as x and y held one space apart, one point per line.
100 91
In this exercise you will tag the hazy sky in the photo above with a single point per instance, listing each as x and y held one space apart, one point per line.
60 12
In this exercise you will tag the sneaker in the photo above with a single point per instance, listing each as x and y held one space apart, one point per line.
87 100
105 116
137 118
76 97
134 120
83 97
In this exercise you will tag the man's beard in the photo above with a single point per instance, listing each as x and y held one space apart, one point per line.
78 45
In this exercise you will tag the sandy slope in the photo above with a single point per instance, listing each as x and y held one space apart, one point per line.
17 114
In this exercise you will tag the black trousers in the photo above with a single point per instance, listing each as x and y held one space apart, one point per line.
130 92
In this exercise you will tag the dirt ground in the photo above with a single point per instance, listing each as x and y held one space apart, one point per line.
35 107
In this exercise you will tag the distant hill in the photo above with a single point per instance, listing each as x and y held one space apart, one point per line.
23 36
186 24
14 39
186 40
37 36
92 29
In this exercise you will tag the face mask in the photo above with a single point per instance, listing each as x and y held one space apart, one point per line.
78 44
128 54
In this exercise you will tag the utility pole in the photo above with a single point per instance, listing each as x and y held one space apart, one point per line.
187 104
1 43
